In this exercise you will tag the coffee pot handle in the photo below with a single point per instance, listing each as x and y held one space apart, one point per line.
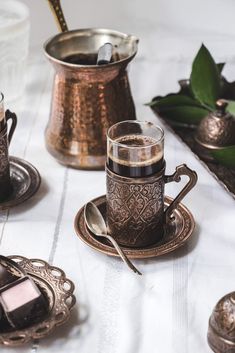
9 115
180 170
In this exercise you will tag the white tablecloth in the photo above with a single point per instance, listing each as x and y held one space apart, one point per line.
167 309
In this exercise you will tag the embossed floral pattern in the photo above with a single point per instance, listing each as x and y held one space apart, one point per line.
3 154
4 166
135 210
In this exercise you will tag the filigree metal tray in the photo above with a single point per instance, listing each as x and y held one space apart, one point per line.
225 176
57 289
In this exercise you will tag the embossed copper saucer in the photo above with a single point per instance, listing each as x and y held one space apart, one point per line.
176 233
57 289
25 180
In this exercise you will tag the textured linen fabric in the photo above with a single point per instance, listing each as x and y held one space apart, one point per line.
167 309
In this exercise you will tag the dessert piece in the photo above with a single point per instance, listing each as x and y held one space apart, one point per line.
22 302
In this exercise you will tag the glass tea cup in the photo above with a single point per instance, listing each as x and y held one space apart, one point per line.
136 181
135 149
14 43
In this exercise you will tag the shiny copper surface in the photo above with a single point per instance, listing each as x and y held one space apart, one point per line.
135 206
176 233
217 130
221 331
87 99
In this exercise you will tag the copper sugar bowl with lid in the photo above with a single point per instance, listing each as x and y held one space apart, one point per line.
87 98
217 129
221 331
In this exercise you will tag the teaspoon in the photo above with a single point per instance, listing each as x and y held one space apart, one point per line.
96 224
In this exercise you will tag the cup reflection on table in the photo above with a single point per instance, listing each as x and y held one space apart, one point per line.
136 179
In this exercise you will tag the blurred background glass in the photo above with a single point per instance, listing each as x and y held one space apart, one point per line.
14 44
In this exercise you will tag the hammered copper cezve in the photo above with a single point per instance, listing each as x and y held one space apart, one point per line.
87 99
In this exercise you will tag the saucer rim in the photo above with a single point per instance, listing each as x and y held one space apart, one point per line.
152 251
35 182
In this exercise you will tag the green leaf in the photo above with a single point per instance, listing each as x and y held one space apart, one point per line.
173 100
225 156
231 107
205 78
220 67
183 114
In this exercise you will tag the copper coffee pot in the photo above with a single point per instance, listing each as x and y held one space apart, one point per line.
87 99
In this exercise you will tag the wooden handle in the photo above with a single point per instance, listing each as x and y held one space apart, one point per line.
59 15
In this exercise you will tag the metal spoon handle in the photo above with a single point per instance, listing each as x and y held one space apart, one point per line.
122 254
59 15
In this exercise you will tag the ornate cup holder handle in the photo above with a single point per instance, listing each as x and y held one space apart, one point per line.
180 170
11 116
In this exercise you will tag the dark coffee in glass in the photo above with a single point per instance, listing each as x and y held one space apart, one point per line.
135 149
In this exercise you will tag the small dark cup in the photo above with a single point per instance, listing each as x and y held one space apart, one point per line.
5 139
135 184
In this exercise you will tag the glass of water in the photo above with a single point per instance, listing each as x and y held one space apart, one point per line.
14 44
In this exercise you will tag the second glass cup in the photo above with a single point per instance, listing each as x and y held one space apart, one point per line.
135 183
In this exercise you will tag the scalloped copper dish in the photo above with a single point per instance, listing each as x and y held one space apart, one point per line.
58 291
176 233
